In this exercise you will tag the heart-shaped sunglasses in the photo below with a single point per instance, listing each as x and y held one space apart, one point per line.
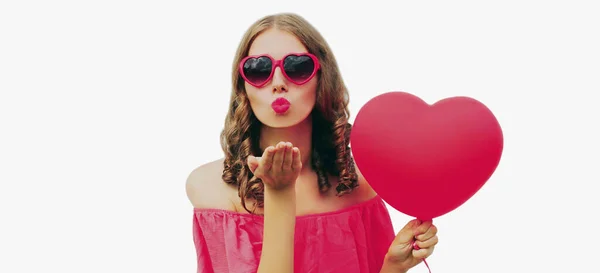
299 68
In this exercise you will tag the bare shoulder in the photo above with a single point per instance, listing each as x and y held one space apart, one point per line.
205 187
364 190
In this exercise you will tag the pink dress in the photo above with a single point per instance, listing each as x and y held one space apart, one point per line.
351 240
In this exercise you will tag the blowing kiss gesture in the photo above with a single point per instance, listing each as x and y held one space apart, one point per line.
279 166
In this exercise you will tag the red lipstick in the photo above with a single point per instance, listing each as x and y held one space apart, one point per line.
280 105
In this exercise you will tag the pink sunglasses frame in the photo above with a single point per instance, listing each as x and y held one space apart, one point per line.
279 63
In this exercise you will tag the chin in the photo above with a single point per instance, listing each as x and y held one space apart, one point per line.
286 120
281 122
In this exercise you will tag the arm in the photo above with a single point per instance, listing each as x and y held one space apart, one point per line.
278 240
278 168
400 256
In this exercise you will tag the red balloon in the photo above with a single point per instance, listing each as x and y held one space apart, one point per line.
426 160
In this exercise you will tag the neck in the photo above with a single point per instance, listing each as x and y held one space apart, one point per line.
299 135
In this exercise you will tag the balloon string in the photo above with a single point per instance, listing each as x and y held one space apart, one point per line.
416 247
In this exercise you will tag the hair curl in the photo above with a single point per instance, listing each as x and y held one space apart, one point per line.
331 131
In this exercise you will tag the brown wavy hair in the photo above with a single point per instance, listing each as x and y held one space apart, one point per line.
331 130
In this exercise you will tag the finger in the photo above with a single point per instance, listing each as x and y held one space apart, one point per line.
425 231
427 243
406 235
253 163
297 159
422 253
423 228
268 158
287 158
278 157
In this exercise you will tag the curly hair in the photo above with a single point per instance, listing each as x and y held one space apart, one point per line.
331 131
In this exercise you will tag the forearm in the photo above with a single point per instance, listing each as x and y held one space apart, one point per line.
278 235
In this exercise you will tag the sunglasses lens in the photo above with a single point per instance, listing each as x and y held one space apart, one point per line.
299 68
257 70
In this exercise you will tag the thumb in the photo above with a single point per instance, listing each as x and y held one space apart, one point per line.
253 163
406 235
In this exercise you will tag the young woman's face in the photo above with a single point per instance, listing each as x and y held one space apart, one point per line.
280 102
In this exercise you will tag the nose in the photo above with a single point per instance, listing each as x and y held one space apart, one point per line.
279 81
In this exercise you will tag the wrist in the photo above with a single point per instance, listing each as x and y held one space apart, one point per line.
287 190
392 266
281 197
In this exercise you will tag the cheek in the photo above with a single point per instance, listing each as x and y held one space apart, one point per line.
309 98
259 100
309 94
253 95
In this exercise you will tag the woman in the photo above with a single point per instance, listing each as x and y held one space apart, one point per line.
287 196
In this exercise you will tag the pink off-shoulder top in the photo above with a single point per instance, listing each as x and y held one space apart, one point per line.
351 240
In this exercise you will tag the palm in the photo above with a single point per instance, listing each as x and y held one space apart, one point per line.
278 167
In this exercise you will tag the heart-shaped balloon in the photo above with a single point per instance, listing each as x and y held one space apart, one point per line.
426 160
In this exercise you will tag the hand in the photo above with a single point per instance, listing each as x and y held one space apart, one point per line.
279 166
402 255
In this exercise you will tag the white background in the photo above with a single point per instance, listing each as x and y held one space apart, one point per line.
106 106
